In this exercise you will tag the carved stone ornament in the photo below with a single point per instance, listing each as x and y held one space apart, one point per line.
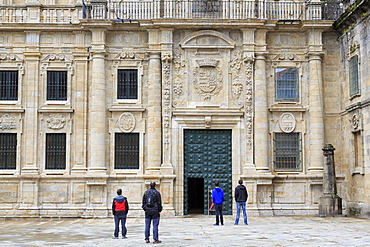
7 122
126 55
126 122
10 57
56 57
56 121
287 122
355 122
207 78
286 56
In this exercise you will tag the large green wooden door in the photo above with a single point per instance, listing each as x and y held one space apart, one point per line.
207 158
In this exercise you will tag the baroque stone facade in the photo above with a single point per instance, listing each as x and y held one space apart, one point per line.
207 105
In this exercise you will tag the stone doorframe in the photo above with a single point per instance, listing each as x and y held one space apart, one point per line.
215 119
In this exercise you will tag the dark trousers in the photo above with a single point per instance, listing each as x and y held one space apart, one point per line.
117 219
219 216
149 217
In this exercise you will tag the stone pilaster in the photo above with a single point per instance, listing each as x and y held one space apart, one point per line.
98 109
316 109
261 139
154 133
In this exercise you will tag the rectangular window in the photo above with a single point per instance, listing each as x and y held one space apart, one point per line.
126 154
286 84
353 76
55 151
8 150
127 84
56 85
287 151
8 85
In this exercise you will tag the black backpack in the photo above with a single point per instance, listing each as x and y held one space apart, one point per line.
151 198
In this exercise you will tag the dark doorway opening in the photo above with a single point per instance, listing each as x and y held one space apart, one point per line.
195 195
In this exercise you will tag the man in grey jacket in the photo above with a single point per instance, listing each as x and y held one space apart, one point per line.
241 196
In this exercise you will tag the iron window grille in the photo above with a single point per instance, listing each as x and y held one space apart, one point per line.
126 151
9 85
8 150
55 151
56 85
287 151
353 76
127 84
286 84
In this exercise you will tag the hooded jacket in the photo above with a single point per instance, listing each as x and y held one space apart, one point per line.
217 196
120 206
241 194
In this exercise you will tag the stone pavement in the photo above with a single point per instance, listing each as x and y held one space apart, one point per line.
195 230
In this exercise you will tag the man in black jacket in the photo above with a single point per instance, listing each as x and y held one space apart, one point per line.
241 196
152 205
120 210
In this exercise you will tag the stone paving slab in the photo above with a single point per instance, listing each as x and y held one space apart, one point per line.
196 230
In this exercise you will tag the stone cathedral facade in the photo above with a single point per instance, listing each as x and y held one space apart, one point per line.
101 95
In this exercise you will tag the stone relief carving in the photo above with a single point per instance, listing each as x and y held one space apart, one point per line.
58 59
7 122
56 121
10 57
166 73
179 65
207 78
287 122
127 55
355 121
249 60
126 122
286 56
55 57
236 64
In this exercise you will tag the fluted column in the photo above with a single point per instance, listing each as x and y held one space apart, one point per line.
261 139
154 133
316 110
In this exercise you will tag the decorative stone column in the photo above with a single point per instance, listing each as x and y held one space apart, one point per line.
261 139
316 109
98 108
330 202
154 132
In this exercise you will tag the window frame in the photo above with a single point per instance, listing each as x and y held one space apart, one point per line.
297 86
15 151
138 152
298 153
118 95
65 87
351 75
7 85
66 143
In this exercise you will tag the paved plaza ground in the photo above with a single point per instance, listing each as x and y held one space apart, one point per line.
195 230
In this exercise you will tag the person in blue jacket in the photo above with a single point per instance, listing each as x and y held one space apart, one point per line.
218 199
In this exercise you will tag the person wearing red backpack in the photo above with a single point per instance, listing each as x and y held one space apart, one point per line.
120 210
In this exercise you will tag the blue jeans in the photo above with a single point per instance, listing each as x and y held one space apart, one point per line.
242 205
117 219
149 217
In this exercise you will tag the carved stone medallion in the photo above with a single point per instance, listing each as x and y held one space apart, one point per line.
126 122
287 122
56 121
207 78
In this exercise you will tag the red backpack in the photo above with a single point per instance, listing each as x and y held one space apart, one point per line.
120 206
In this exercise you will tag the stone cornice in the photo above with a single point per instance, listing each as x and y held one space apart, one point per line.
358 11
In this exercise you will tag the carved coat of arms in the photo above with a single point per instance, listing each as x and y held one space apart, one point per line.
207 78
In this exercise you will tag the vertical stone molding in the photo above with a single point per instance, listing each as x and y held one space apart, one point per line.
97 113
30 135
154 133
261 139
316 109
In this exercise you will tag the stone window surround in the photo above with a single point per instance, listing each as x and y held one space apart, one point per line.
351 55
14 64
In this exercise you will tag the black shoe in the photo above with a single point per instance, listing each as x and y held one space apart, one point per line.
157 241
147 241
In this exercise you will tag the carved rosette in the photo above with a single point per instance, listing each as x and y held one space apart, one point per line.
126 122
56 121
248 60
7 122
207 78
